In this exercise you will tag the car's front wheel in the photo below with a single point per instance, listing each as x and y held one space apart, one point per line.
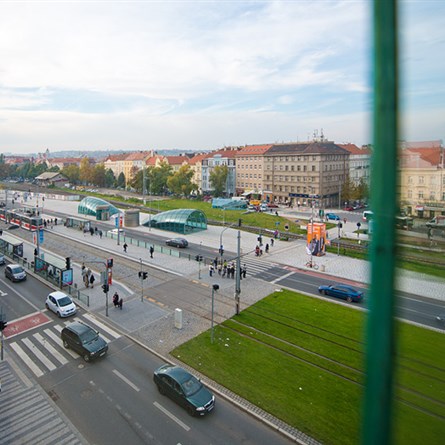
161 390
59 315
86 357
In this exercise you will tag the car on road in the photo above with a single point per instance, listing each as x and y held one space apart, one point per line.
342 291
61 304
349 208
15 272
116 231
184 389
177 242
272 205
332 216
84 340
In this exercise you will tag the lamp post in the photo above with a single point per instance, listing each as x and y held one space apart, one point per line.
312 232
215 287
199 260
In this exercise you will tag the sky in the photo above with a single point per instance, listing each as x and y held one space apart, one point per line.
201 75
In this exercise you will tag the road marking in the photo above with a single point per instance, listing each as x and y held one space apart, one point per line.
128 382
24 356
59 341
172 416
56 354
3 293
40 355
102 326
282 278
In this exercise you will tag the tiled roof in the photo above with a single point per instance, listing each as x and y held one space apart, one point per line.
430 156
422 144
114 158
354 150
223 152
197 158
175 160
137 156
253 150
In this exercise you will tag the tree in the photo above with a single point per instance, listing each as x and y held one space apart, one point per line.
110 179
121 180
99 175
86 171
72 172
157 178
218 179
181 183
346 191
362 190
136 182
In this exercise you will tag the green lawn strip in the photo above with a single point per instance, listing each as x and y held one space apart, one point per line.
422 392
309 356
414 427
307 340
308 398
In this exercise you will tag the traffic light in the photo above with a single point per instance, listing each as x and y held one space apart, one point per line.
67 263
105 288
198 258
221 250
144 275
3 324
240 221
110 263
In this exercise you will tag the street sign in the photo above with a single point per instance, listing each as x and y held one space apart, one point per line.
41 235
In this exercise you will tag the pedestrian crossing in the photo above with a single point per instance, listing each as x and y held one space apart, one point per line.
255 266
28 416
43 352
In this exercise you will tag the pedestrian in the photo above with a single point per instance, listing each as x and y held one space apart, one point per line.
257 251
125 247
344 220
95 230
244 271
224 269
219 269
152 249
276 213
55 221
44 223
267 248
120 304
271 242
92 279
116 299
100 234
36 252
211 270
215 262
91 231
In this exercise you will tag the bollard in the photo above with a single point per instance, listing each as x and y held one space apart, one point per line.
323 268
178 318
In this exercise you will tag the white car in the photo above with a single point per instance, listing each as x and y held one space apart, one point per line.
61 304
116 231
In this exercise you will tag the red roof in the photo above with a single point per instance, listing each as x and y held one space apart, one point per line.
253 150
354 150
430 155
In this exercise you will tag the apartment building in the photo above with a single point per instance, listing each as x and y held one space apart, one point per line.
196 165
296 173
422 178
359 163
225 156
250 169
115 163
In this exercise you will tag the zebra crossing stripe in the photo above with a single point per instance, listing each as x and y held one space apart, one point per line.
102 326
24 356
42 357
56 354
58 340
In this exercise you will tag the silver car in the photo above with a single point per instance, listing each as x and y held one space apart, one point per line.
61 304
15 272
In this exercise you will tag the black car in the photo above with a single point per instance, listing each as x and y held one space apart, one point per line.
84 340
177 242
185 389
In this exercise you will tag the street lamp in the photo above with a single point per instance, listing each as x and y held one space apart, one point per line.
199 260
215 287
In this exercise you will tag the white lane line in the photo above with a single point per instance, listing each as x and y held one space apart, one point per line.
40 355
102 326
24 356
173 417
49 347
282 278
128 382
58 340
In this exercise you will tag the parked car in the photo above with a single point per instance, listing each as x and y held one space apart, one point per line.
84 340
184 388
2 259
61 304
271 205
177 242
332 216
116 231
15 272
349 208
342 291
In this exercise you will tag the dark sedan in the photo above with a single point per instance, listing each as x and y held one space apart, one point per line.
342 291
177 242
184 389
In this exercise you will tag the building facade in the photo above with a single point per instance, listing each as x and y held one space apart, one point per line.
225 156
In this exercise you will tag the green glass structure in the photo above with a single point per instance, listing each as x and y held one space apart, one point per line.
90 204
179 221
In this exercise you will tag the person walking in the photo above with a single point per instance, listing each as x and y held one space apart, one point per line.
100 234
92 279
125 247
244 271
271 242
152 249
267 248
211 270
116 299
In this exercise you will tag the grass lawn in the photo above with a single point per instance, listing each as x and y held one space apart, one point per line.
301 359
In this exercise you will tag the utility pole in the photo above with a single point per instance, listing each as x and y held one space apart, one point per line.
142 282
143 184
238 274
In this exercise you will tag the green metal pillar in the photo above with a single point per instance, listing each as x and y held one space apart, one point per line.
380 335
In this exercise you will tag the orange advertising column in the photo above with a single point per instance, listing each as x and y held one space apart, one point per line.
316 241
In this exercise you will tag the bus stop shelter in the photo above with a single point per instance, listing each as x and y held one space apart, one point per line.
11 245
